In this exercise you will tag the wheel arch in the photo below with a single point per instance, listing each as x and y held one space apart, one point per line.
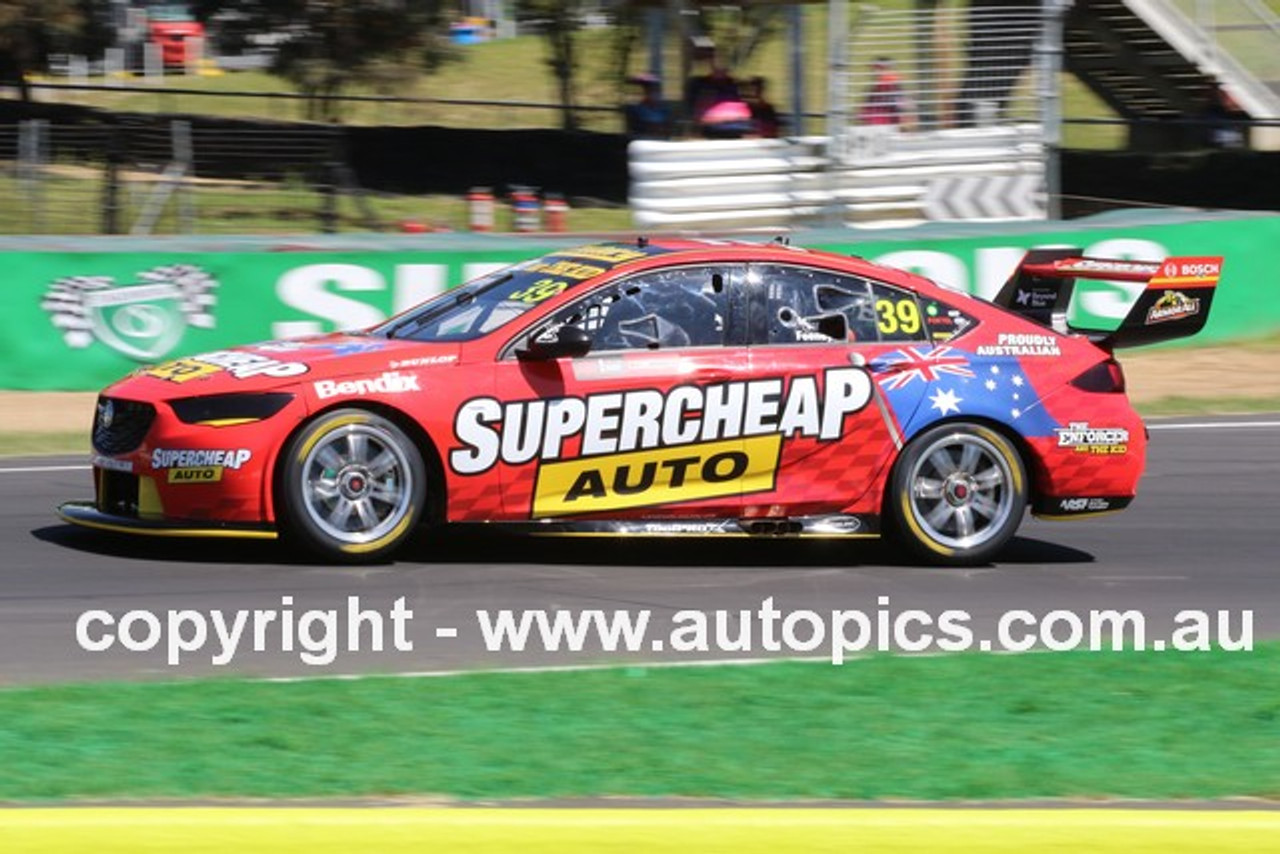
1031 461
431 459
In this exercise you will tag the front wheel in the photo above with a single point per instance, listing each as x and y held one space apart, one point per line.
353 486
957 494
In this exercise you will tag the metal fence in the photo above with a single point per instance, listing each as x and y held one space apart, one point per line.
166 177
944 67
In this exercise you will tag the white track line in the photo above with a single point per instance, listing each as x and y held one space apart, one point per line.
1210 425
622 664
31 469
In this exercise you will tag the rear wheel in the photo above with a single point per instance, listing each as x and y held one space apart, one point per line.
958 494
353 486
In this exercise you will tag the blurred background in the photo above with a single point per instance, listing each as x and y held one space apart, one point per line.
297 116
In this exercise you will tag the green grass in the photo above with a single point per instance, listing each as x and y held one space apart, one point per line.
1154 725
34 444
1208 405
71 205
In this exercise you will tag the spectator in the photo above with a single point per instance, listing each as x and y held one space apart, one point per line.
885 103
763 114
1224 120
650 116
704 92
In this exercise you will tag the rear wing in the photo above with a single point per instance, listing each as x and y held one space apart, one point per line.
1174 304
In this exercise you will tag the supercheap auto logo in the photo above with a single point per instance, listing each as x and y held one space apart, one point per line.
644 447
240 365
198 465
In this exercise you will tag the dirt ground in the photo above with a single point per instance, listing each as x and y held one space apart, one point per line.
1211 372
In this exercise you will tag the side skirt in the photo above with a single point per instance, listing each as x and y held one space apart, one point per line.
838 526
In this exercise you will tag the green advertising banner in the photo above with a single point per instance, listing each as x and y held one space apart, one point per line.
77 320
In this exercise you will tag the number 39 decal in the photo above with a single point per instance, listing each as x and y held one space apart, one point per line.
543 289
898 316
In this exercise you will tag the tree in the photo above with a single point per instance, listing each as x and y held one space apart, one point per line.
333 44
559 22
739 30
32 29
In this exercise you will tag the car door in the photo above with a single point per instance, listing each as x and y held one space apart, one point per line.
829 338
649 422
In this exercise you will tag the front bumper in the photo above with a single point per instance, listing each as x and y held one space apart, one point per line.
86 515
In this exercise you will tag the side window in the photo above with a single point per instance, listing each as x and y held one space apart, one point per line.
809 306
898 315
665 309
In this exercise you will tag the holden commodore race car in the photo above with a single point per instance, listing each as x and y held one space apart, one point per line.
664 387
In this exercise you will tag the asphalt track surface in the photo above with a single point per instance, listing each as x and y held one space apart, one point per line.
1203 534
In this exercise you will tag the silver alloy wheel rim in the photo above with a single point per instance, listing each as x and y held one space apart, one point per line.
961 491
357 484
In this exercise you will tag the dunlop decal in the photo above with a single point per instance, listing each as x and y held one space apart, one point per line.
662 476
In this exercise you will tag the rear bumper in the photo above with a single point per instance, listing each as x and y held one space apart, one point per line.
1081 506
86 515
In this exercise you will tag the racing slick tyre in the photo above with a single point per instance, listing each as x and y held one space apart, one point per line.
353 487
957 494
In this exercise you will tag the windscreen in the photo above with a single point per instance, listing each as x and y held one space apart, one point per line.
493 301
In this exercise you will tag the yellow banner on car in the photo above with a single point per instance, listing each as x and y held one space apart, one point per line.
660 476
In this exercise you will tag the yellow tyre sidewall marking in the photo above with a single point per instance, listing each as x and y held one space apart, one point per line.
1011 459
301 458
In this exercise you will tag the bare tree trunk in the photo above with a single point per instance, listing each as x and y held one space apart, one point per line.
563 64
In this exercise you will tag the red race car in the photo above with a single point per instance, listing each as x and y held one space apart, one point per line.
665 387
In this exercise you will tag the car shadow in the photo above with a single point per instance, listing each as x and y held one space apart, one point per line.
497 546
170 550
492 545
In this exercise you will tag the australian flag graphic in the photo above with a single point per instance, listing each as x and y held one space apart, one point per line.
925 383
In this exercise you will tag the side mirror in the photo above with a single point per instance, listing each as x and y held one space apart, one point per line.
558 343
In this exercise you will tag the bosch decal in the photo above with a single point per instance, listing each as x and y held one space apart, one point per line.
1198 269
